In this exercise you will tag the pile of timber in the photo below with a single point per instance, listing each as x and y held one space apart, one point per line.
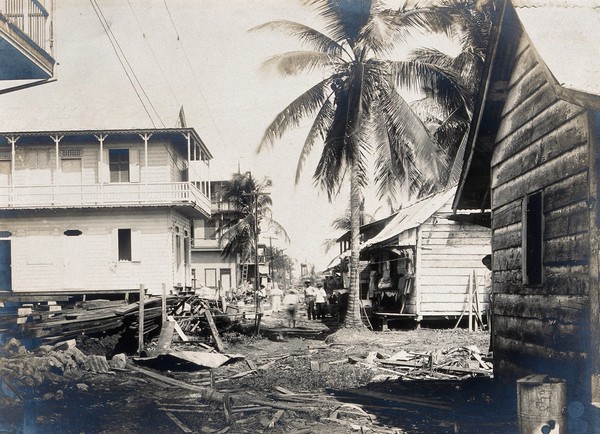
53 322
456 362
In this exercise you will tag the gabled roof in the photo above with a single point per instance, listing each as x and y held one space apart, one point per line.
564 34
412 216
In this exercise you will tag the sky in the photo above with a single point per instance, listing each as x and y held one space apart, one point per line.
198 54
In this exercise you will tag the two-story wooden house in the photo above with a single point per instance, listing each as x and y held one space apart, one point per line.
100 211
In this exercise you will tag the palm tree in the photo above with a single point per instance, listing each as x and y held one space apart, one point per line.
469 24
356 108
252 206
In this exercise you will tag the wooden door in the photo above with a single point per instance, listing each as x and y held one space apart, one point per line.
73 262
5 266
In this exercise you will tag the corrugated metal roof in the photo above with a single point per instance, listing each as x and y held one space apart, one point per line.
412 216
565 33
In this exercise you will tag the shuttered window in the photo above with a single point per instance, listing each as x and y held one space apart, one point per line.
118 165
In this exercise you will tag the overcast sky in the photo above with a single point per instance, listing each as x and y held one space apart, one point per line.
195 53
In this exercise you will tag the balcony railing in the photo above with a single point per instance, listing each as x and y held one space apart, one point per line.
32 18
90 195
205 243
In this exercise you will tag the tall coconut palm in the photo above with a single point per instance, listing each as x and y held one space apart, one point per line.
356 108
252 206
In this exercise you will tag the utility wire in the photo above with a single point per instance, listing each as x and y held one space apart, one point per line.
154 54
197 82
125 63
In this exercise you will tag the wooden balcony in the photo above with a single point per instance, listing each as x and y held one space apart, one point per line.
180 194
205 244
25 40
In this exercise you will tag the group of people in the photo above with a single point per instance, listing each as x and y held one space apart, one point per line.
315 300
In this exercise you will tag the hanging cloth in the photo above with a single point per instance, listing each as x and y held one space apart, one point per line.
386 280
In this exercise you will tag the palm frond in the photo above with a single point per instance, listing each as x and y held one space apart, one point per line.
308 36
442 85
305 105
344 18
296 62
318 129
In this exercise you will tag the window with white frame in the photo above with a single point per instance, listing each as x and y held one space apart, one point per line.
118 163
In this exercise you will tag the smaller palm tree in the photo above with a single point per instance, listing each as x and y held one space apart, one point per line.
252 206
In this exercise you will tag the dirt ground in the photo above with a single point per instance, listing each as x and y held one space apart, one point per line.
311 379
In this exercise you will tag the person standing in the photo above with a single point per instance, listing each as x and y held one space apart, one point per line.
276 294
320 300
290 301
310 293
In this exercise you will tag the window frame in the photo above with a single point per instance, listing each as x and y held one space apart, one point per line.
533 239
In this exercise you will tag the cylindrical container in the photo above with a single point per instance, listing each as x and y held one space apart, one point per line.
541 404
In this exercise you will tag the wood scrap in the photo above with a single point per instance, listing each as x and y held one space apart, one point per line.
278 414
177 422
213 330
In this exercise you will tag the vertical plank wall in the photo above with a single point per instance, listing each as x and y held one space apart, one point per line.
541 144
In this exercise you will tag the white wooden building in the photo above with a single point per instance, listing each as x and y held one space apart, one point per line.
101 211
429 259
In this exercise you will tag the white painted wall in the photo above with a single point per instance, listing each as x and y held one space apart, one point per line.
44 259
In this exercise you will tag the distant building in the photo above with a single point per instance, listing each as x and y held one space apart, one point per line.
101 211
26 40
209 268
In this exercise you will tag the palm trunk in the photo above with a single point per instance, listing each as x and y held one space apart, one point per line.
353 317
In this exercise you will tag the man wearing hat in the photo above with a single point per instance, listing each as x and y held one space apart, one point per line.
310 294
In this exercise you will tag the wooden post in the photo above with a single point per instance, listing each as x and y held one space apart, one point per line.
470 301
141 320
213 330
164 303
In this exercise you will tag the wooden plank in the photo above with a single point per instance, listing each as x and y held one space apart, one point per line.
564 308
553 145
567 249
566 192
507 259
165 338
526 109
177 422
569 164
570 220
508 236
213 330
542 124
179 331
523 85
560 336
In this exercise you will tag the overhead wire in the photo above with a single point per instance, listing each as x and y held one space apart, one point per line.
154 54
125 64
196 81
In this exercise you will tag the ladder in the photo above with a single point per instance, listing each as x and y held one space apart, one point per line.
244 272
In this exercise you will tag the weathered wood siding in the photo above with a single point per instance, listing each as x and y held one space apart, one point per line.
541 145
448 253
45 259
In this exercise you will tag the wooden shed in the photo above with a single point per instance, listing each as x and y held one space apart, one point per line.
532 158
424 265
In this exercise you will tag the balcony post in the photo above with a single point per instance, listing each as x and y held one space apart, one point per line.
57 139
101 138
188 137
145 137
13 141
25 9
